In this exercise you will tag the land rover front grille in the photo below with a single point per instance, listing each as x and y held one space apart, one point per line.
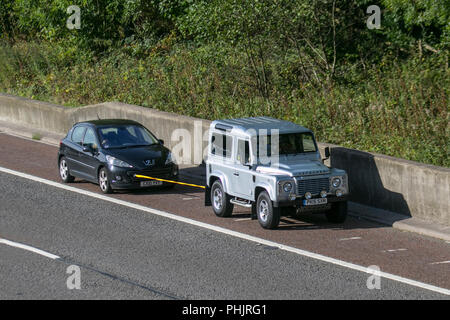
314 186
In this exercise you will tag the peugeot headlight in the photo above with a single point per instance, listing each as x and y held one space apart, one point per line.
118 163
287 187
169 158
336 182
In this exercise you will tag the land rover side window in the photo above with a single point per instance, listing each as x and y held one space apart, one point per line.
89 139
243 152
221 145
264 146
77 135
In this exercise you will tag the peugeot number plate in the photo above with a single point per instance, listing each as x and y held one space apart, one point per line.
151 183
315 202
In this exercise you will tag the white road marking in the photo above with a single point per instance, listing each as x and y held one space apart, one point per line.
395 250
441 262
231 232
28 248
243 219
188 198
352 238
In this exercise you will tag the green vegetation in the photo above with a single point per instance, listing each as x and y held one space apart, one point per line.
312 62
36 136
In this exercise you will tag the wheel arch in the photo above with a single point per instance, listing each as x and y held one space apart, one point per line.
214 177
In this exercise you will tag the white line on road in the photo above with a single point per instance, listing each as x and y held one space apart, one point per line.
231 233
441 262
352 238
28 248
395 250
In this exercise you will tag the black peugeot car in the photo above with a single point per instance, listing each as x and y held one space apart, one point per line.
112 152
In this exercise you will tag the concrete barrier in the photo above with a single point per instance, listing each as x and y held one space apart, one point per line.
406 187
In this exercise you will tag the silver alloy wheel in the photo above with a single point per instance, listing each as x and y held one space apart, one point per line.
103 181
217 199
63 169
263 210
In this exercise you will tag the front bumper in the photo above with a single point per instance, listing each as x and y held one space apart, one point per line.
298 202
125 178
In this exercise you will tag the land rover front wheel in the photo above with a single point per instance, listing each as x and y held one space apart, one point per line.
268 215
338 212
220 201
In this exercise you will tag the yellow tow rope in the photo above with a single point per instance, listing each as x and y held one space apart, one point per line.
170 181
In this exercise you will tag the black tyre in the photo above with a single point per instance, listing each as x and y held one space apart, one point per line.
338 212
268 215
220 201
64 171
254 214
103 181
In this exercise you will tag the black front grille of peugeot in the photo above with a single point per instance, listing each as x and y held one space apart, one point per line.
155 173
314 186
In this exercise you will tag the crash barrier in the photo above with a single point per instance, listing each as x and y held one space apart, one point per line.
396 185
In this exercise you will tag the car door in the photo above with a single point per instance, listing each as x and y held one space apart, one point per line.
88 158
74 147
243 183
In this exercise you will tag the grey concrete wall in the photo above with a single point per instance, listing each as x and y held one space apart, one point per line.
388 183
397 185
32 113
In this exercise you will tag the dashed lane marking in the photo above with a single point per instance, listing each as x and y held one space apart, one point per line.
395 250
352 238
441 262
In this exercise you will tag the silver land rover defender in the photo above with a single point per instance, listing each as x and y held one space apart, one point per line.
273 167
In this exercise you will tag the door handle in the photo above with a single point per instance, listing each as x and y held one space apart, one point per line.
236 174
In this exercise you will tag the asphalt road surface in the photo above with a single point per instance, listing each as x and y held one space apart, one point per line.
126 252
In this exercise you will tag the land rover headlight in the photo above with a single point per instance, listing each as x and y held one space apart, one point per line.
287 187
118 163
336 182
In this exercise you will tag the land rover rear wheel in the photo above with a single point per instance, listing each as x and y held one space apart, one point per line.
220 201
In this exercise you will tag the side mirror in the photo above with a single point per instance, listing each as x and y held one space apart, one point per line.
327 154
161 141
88 149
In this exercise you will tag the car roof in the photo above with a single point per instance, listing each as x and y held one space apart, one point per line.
108 122
258 123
